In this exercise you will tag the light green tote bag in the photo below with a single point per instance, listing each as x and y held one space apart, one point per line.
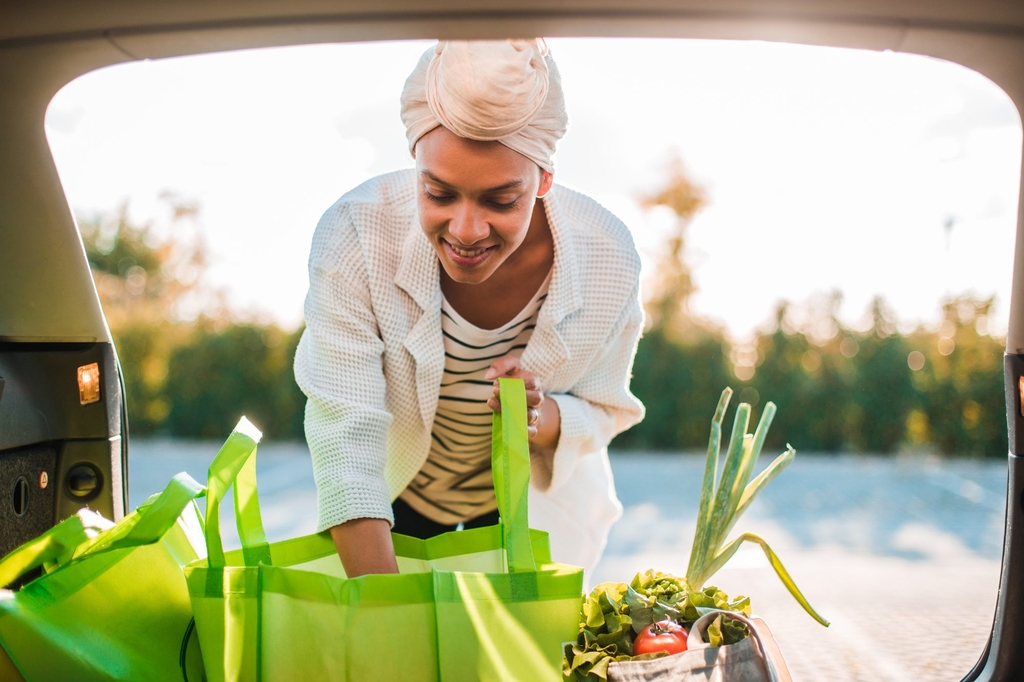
480 604
113 604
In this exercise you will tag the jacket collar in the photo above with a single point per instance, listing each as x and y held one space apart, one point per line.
564 297
418 276
418 271
546 350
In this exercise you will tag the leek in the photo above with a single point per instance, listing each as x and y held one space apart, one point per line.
722 502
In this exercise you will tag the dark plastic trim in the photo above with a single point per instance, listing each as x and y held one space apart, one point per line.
45 346
1003 658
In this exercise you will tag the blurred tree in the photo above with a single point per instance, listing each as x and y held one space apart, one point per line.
960 385
246 370
679 384
670 289
147 275
806 380
145 280
881 394
681 364
191 370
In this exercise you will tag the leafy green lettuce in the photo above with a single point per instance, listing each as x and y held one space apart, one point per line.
613 614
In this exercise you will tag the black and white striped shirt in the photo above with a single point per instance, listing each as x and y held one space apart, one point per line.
455 483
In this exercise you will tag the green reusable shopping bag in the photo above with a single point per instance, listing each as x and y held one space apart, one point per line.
112 605
480 604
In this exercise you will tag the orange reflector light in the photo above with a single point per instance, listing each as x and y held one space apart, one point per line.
1022 396
89 383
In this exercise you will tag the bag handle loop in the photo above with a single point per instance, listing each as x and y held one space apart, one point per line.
775 671
72 538
510 467
235 466
58 541
154 518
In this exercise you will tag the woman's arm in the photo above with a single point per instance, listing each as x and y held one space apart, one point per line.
338 365
365 546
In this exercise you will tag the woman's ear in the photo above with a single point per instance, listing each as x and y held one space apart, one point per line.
546 180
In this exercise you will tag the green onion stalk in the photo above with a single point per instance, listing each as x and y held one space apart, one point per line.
723 503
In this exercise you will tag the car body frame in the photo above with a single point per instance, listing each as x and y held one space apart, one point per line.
51 321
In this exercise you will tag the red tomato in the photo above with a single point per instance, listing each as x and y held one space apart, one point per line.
667 635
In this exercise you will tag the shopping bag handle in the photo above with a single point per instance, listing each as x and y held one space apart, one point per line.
510 467
154 518
72 538
58 541
775 670
235 466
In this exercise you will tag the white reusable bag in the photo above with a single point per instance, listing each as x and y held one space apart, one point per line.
756 658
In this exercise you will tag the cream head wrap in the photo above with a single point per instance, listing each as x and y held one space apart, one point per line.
508 91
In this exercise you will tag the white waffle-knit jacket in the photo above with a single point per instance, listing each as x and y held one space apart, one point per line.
371 358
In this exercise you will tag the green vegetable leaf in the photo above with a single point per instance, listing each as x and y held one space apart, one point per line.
729 550
714 633
663 611
732 630
702 539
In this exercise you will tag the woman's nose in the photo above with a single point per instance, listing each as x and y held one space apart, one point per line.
468 225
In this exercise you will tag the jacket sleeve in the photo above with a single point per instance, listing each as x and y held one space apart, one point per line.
338 365
600 405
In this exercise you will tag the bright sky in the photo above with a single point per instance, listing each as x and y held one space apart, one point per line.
825 168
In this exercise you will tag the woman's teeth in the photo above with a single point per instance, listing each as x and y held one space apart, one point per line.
467 253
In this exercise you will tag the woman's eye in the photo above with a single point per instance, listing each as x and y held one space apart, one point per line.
438 198
505 206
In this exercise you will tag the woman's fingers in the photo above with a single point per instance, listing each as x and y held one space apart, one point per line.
505 366
495 405
532 417
509 366
533 397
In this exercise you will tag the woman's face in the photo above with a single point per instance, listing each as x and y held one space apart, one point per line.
475 200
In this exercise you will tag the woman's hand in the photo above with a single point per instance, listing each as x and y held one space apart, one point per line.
543 420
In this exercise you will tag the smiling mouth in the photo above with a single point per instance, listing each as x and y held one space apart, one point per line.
468 253
467 258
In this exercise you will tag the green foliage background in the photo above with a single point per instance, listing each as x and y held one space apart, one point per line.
869 402
873 390
847 390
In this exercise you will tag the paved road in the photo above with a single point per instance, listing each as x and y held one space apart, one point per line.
902 555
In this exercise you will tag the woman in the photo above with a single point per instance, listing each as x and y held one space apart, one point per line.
426 285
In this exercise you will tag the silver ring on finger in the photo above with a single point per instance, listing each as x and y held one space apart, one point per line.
532 416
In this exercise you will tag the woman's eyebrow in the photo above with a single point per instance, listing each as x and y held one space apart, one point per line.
513 184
